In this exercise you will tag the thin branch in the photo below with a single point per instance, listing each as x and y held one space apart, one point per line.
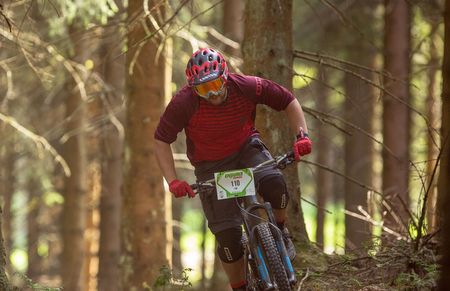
375 223
147 37
371 83
303 280
346 21
342 175
6 18
310 110
9 84
317 206
38 140
425 199
388 207
319 116
198 15
298 53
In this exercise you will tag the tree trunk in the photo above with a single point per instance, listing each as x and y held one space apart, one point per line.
359 104
203 254
396 114
267 51
186 174
324 181
233 23
219 280
434 119
7 181
359 112
7 176
92 220
74 210
34 205
444 171
4 282
146 215
111 166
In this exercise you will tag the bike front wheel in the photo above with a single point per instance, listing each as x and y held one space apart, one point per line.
271 256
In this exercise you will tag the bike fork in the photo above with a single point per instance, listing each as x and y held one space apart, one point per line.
256 265
277 235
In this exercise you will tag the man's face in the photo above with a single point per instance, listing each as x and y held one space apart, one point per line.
219 98
215 91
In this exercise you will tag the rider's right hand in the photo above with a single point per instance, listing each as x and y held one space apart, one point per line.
180 189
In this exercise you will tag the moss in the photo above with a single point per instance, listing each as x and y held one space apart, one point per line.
310 257
395 267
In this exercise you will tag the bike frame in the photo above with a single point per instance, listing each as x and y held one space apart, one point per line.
251 219
250 213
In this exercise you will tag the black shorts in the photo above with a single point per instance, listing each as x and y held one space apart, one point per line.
224 214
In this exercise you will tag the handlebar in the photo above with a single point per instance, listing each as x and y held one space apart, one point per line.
279 162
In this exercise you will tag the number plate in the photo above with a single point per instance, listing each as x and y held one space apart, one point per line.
236 183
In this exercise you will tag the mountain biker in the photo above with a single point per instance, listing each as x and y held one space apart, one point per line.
217 111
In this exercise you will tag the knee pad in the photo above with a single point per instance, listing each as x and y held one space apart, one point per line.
274 190
229 244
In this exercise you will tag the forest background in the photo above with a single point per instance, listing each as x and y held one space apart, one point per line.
82 87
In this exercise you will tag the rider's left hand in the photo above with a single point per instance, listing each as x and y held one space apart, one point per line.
302 146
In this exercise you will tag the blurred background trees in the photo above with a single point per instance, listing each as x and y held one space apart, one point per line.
82 86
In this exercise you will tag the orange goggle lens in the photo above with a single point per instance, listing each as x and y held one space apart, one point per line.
211 87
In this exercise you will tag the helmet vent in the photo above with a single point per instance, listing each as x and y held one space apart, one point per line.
203 63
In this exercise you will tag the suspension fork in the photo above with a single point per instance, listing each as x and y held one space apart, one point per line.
252 206
251 218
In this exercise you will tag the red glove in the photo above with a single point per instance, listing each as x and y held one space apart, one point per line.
180 188
302 146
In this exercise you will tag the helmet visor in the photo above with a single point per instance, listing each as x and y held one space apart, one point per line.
213 87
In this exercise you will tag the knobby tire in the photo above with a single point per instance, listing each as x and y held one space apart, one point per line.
273 259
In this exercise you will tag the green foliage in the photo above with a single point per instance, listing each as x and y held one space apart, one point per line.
334 228
168 281
35 286
192 239
413 280
82 14
393 266
306 74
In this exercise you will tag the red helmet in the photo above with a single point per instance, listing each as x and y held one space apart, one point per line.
205 64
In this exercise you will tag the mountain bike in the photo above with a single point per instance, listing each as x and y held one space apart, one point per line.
268 266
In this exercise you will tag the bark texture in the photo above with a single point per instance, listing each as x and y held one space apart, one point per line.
396 114
146 231
267 52
324 157
359 112
433 116
111 166
444 176
74 209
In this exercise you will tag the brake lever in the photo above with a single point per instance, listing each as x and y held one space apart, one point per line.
285 160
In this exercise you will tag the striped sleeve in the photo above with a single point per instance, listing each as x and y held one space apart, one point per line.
264 91
176 116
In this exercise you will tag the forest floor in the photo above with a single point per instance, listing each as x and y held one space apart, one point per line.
399 265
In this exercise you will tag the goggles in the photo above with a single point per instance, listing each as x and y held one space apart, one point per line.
214 87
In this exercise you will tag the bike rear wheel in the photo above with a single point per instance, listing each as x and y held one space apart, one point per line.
272 257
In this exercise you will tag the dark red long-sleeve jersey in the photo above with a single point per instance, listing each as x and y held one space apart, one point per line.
214 132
